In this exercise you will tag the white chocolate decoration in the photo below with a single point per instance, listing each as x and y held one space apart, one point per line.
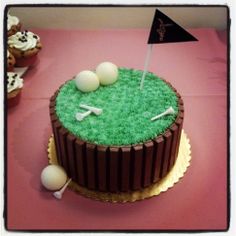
80 116
13 81
87 81
12 20
59 194
168 111
95 110
107 73
53 177
24 40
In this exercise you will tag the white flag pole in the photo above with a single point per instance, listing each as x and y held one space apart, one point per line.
146 65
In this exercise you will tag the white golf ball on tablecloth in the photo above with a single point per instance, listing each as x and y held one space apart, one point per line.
53 177
107 73
86 81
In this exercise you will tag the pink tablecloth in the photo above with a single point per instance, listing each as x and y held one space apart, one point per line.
198 71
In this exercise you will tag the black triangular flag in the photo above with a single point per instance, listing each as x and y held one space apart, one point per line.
165 30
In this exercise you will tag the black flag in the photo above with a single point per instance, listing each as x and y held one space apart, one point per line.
165 30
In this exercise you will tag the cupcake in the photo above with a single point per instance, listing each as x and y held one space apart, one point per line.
14 87
13 24
10 61
24 46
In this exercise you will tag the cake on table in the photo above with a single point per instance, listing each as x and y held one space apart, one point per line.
121 149
22 49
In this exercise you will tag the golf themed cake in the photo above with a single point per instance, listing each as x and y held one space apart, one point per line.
116 129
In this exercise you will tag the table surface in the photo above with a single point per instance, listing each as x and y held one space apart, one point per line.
198 70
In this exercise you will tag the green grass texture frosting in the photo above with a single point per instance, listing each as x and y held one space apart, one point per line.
127 110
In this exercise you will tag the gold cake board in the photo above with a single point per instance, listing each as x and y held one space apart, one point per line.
175 174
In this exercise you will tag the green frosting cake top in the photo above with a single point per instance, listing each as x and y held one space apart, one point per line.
127 110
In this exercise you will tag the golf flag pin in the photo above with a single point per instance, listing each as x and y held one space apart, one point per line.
164 30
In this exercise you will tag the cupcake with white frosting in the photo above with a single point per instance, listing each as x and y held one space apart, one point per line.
13 24
25 46
14 87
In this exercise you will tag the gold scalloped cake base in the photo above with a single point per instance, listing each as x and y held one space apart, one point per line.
175 174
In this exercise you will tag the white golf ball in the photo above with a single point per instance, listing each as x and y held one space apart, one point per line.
86 81
107 73
53 177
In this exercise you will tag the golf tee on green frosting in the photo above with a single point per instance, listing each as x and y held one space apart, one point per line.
127 110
